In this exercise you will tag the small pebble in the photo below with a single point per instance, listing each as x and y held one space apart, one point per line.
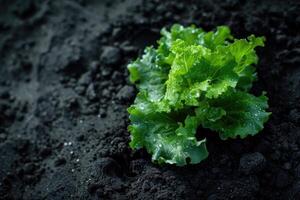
252 163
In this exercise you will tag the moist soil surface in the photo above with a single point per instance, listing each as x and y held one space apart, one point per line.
64 92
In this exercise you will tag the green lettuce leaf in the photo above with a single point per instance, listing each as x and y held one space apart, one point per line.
194 78
245 56
165 135
196 70
238 114
148 75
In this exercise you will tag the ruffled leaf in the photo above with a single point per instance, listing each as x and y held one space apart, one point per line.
243 114
164 135
148 75
194 78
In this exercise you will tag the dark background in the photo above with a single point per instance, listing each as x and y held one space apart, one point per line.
64 91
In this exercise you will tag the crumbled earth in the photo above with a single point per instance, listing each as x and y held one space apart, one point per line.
64 92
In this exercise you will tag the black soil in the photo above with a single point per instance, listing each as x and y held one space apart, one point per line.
64 91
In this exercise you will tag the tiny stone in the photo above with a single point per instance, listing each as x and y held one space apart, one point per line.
94 66
252 163
80 90
106 93
126 93
111 55
90 92
85 79
105 72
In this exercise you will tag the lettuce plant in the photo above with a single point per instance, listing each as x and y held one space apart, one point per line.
194 78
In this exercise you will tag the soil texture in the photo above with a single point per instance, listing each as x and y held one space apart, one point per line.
64 92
